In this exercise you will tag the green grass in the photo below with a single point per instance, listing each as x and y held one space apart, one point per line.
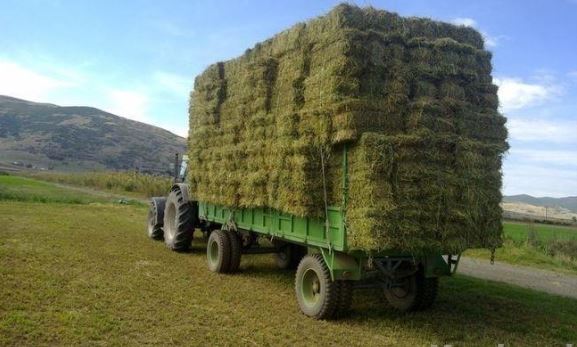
519 231
527 244
16 188
87 274
523 254
128 183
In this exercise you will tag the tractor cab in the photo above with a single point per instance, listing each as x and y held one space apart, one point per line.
180 168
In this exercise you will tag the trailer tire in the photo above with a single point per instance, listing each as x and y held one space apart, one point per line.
156 218
235 251
345 298
430 288
218 251
316 292
290 256
179 221
418 293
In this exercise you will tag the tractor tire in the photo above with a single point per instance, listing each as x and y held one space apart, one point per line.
156 218
416 293
316 292
179 221
218 251
290 256
235 251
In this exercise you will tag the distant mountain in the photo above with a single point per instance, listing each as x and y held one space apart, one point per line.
569 203
81 138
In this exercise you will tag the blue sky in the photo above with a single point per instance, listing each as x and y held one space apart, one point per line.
138 59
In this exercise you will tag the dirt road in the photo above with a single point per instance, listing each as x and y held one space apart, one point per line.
542 280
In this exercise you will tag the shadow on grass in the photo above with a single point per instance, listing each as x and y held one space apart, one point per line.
466 309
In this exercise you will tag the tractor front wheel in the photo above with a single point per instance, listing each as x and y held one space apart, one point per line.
156 218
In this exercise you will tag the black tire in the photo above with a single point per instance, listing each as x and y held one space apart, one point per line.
317 294
235 251
156 218
345 298
290 256
218 251
179 221
415 293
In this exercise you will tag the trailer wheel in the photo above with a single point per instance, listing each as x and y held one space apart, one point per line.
345 298
290 256
218 251
317 294
413 293
179 221
235 251
156 218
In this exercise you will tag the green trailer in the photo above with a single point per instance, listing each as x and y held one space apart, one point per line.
327 269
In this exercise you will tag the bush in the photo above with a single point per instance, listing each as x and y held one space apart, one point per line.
565 248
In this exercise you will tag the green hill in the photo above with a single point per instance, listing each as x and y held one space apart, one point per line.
81 138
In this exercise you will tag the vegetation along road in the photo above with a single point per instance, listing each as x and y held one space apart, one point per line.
79 269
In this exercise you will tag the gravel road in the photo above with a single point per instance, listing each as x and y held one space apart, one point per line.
542 280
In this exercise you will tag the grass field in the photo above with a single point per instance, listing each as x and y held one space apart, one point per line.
87 274
520 231
18 188
130 183
533 244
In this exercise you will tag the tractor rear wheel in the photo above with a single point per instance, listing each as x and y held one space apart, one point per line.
156 218
413 293
179 221
316 292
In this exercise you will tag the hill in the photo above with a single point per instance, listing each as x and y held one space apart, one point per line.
569 203
81 138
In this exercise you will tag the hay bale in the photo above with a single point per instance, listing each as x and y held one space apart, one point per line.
411 98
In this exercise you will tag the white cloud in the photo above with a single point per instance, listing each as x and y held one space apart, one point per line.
25 83
490 41
129 104
468 22
542 130
538 180
172 83
515 94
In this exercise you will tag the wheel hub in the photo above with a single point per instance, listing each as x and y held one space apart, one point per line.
311 287
316 287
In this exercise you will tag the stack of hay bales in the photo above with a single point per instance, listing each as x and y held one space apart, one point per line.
411 99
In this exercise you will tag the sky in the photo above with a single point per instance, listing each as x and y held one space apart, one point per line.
138 59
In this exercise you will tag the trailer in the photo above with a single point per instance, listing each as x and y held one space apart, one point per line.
327 270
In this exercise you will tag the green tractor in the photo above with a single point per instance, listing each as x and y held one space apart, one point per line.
327 270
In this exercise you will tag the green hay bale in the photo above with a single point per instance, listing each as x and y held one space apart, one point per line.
413 100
